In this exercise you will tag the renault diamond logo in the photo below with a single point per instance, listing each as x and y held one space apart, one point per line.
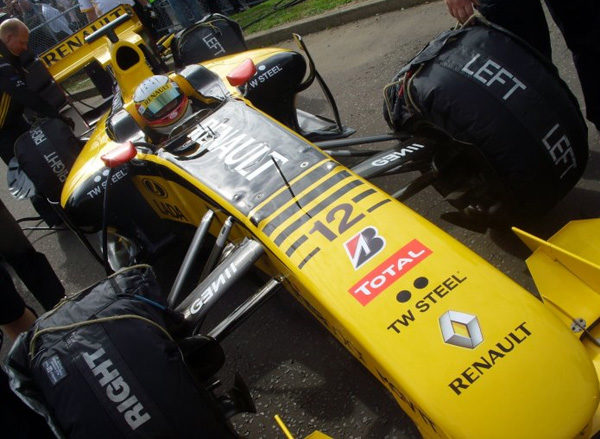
461 329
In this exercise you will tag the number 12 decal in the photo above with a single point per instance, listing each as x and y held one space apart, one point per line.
345 222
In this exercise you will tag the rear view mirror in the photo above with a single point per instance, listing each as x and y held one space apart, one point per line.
242 73
100 78
122 154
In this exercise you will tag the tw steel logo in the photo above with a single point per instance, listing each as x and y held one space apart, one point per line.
389 271
363 246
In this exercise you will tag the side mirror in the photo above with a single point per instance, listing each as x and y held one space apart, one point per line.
242 73
120 155
100 78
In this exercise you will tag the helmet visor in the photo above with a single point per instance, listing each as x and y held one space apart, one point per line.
162 104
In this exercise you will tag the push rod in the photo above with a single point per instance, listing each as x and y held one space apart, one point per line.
328 144
189 258
245 310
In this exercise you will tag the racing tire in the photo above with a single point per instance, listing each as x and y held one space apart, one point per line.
485 87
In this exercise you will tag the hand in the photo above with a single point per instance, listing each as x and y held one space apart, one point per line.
461 9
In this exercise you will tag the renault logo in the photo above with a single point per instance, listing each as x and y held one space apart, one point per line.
460 329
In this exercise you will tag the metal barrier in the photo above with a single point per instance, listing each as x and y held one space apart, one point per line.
48 26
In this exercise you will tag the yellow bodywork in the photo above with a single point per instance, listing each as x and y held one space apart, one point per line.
465 351
566 270
412 360
61 59
288 434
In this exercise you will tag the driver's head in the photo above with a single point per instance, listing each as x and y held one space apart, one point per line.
15 35
161 103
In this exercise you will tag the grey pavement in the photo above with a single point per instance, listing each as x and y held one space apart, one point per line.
292 366
336 17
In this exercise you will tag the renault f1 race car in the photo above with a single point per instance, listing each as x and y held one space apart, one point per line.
400 294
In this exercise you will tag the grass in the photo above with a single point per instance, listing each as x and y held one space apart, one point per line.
273 13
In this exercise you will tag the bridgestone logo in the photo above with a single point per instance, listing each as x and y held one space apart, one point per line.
117 390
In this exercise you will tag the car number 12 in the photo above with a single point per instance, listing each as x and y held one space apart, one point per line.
346 221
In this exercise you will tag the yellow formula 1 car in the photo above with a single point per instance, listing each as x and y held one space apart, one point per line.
401 295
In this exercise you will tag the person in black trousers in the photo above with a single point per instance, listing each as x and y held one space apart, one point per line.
578 20
16 419
31 266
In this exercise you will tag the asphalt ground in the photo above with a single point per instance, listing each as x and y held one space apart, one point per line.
292 366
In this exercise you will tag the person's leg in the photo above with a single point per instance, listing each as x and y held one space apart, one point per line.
6 150
214 7
181 12
579 22
31 266
16 419
145 18
524 18
22 324
13 313
196 10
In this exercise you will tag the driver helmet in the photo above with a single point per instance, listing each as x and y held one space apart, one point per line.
161 103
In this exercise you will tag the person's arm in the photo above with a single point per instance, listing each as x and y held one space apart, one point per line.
11 83
87 8
91 15
461 9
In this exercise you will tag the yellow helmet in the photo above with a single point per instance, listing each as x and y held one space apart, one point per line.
160 103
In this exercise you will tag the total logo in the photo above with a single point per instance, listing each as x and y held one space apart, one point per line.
363 246
392 269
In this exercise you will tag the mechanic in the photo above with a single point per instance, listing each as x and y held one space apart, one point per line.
578 20
161 104
16 96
